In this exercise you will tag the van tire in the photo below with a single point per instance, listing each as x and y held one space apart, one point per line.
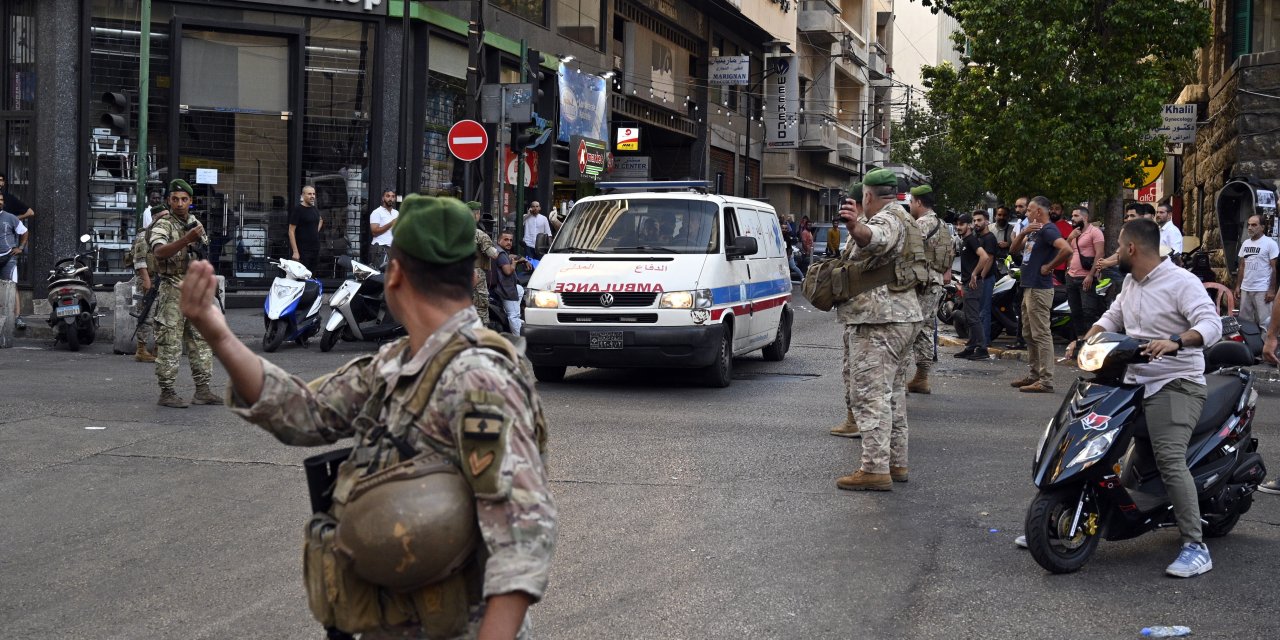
549 374
777 350
720 372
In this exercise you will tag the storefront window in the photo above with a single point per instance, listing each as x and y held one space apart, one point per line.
531 10
446 104
579 20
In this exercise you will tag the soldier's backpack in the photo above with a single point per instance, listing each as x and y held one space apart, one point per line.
831 282
941 246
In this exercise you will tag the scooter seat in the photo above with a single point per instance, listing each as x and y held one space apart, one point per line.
1221 397
1222 394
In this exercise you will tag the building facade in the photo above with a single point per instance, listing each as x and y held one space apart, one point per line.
1231 170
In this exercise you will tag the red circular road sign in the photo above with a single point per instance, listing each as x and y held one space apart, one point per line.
468 140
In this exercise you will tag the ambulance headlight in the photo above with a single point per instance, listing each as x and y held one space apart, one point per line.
543 299
699 299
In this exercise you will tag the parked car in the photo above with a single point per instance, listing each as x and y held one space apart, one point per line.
820 238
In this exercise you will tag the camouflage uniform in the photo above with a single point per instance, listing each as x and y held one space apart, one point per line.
880 326
931 294
140 258
173 331
514 507
486 252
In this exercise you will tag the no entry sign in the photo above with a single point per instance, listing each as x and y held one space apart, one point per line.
468 140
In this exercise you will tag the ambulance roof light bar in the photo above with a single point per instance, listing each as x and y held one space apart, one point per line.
700 186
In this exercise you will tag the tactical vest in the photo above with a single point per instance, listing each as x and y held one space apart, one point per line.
176 264
940 247
831 282
338 596
483 241
910 270
140 248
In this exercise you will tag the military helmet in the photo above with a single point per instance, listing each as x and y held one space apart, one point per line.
413 527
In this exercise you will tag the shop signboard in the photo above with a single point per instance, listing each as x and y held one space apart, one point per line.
628 138
730 70
1178 123
588 158
782 102
584 105
630 168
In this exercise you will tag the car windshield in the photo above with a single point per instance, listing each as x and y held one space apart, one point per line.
639 225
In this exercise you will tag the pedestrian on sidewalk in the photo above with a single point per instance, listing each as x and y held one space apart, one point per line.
1087 245
1048 250
1256 282
381 222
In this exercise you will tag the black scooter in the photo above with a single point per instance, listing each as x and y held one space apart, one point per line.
1096 471
73 307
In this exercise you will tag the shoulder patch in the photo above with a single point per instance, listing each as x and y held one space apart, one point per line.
482 425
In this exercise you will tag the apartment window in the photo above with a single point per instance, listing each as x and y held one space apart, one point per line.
531 10
579 20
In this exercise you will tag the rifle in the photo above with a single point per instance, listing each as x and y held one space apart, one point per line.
147 301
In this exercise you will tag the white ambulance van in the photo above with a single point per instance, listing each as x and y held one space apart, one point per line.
660 274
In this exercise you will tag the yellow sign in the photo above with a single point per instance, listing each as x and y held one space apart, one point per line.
1150 171
628 139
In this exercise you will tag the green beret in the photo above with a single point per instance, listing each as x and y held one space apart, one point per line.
473 205
921 190
180 185
855 192
880 178
158 209
435 230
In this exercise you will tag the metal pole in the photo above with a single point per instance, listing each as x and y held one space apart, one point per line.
519 186
475 59
144 97
501 171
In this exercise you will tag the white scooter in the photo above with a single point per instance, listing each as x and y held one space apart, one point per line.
283 314
358 310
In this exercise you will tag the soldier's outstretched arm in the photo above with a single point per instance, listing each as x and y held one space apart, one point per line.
293 411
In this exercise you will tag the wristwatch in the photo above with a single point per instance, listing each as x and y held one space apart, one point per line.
1177 339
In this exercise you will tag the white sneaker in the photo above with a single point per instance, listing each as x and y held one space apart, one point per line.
1021 541
1192 561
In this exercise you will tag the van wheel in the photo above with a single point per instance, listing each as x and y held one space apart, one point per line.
720 373
777 350
549 374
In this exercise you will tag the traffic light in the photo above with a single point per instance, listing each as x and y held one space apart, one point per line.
533 67
118 114
524 136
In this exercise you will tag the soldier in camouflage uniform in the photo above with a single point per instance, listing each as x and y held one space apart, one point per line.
432 257
848 428
486 253
173 239
880 326
143 263
937 242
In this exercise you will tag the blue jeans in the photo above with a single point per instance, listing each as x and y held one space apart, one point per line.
988 286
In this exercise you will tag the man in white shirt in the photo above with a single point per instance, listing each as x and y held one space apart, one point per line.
1170 234
534 224
381 221
1020 222
1167 306
1256 280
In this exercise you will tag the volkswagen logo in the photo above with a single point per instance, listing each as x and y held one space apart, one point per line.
606 299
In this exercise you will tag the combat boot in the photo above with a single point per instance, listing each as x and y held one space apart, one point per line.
920 383
847 429
205 395
899 474
142 355
862 481
170 399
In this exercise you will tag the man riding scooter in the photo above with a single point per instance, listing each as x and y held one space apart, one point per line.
1165 305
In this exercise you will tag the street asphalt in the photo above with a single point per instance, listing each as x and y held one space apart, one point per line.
685 512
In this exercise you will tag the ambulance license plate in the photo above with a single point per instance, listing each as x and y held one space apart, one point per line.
605 340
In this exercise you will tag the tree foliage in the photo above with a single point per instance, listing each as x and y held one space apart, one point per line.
919 140
1058 98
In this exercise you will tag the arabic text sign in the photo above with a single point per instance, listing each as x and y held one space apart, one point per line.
730 70
1178 124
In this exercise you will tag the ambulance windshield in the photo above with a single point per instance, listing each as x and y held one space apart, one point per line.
639 225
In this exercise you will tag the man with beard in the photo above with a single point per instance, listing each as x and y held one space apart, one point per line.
1049 250
1086 247
1166 306
1003 232
975 267
1060 219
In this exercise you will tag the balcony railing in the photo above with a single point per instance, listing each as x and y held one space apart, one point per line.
817 132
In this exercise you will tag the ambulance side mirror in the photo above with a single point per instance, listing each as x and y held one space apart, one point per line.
742 246
543 243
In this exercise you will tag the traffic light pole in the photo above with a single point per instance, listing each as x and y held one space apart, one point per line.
501 172
144 97
519 153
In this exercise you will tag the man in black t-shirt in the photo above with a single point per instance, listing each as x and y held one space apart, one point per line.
1049 250
305 224
977 255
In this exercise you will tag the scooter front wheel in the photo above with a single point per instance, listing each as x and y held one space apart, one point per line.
274 337
328 339
1050 537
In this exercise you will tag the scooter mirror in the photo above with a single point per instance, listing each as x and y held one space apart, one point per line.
85 238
